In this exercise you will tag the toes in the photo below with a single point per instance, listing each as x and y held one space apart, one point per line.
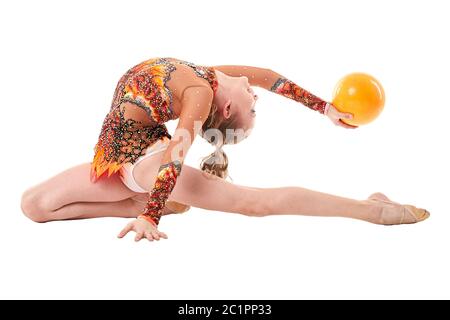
424 215
418 214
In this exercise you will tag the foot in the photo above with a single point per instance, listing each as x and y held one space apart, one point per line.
391 213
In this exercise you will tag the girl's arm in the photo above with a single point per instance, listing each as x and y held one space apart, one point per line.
274 82
196 104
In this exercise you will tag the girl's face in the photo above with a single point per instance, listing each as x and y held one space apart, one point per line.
244 98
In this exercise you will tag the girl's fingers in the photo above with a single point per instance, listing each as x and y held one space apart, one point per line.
345 115
125 231
345 125
162 235
155 235
148 235
139 236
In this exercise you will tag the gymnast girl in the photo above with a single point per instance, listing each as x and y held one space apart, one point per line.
138 172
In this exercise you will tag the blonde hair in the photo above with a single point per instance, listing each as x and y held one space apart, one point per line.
217 162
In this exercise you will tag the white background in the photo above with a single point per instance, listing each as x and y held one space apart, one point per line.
60 63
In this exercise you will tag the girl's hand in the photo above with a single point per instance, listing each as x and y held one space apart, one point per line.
143 228
335 116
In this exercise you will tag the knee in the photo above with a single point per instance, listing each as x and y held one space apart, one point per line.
32 205
255 206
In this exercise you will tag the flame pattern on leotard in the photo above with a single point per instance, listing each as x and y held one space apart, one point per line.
124 140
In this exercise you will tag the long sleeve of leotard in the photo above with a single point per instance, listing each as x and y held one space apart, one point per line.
196 104
275 82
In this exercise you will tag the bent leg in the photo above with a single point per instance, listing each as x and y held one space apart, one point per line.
42 201
127 208
71 195
73 185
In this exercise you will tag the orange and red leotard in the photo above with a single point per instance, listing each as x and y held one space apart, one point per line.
124 138
125 134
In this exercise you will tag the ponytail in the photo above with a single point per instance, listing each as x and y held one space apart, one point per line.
217 162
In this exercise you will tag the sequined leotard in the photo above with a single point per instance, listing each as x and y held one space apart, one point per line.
124 140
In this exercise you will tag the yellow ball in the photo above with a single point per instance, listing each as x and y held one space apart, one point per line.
359 94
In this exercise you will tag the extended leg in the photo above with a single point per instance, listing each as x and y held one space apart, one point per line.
202 190
194 188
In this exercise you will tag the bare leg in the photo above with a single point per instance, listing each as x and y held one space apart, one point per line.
56 199
127 208
296 200
71 195
199 189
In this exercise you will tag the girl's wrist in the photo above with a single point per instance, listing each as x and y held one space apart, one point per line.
148 219
325 110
